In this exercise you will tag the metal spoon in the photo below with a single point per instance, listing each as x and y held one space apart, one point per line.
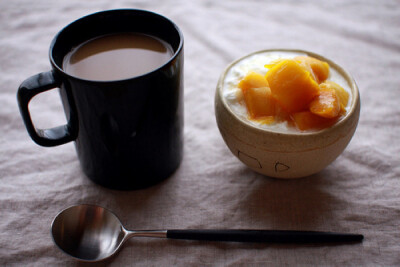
93 233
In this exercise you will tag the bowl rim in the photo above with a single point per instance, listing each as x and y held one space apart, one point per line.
354 105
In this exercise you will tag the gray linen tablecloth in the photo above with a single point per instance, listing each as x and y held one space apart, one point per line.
359 192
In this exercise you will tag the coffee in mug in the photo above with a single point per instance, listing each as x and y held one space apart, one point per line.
117 56
120 76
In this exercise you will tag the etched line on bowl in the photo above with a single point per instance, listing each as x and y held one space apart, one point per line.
281 167
249 160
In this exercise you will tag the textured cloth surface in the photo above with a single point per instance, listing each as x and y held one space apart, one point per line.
358 192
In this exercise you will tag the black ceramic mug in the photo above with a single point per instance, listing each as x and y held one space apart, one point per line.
128 133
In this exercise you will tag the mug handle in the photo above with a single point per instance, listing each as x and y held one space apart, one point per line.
45 137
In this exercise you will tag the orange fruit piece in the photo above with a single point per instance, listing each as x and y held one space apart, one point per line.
292 85
307 120
342 94
257 96
319 69
253 80
326 104
259 102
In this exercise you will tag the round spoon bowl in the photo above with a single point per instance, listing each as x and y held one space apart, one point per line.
87 232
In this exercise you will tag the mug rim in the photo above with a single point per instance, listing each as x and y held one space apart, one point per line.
99 13
354 105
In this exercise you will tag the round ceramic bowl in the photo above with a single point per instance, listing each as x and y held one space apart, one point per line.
286 155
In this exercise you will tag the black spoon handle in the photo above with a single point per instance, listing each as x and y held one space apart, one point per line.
267 236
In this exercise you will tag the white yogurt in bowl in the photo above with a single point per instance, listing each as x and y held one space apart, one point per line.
256 62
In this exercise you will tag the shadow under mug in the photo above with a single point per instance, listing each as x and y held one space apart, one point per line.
128 133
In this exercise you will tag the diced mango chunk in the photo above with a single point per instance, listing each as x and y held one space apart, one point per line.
273 63
253 80
320 69
307 120
291 85
326 104
257 96
342 94
259 102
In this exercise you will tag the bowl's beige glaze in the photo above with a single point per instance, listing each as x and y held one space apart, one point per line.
286 155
